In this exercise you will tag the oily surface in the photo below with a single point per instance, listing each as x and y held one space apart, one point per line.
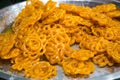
48 31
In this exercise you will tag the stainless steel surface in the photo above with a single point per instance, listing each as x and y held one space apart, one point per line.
7 16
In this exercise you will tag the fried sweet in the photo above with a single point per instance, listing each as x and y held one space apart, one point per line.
94 44
105 8
102 60
21 62
74 67
82 55
113 14
7 41
41 71
114 52
80 10
55 16
70 20
42 35
13 53
109 33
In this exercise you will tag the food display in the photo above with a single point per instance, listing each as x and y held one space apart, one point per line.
42 37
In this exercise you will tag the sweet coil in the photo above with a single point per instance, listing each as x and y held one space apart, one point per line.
42 35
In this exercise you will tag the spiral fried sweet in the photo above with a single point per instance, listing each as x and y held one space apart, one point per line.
102 60
74 67
41 70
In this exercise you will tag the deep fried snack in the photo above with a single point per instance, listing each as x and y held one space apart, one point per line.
104 8
112 33
57 52
7 41
94 44
113 14
41 71
109 33
70 20
102 60
43 35
114 52
54 16
74 67
86 29
79 35
29 15
21 63
49 7
31 45
13 53
88 13
82 55
80 10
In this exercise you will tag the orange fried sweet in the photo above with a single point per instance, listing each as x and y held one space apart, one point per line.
43 36
74 67
102 60
41 71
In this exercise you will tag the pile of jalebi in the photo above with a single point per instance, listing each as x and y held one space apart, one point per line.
42 37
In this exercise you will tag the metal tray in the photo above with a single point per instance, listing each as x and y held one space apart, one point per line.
7 16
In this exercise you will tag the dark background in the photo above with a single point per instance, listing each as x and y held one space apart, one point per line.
4 3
